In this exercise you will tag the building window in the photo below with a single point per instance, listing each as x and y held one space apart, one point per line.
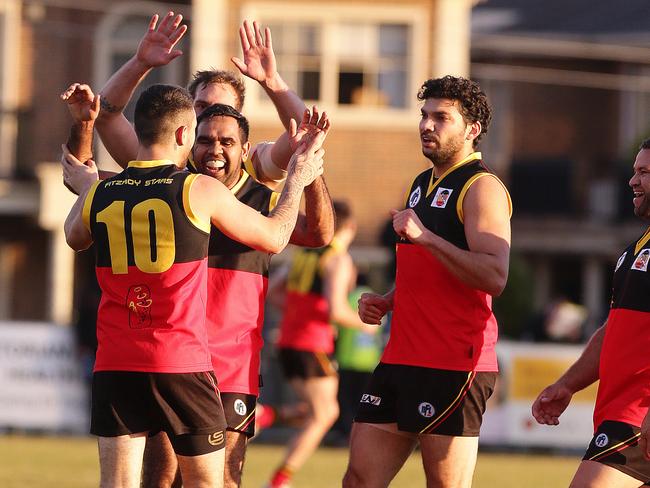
357 58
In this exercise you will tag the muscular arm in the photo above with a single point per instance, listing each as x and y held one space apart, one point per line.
155 49
76 234
315 228
487 230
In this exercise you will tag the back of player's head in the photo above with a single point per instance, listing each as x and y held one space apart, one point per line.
159 111
207 77
221 110
472 101
343 214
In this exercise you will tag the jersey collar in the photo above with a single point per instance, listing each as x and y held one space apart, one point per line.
433 182
642 242
149 164
238 186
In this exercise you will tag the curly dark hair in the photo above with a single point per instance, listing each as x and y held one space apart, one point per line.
207 77
221 110
474 106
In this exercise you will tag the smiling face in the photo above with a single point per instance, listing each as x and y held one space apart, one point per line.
219 151
445 136
640 183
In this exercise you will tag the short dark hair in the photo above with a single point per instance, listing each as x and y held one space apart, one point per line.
645 144
158 110
207 77
222 110
342 213
474 106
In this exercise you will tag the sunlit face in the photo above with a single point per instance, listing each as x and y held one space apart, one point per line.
218 150
212 93
640 183
443 131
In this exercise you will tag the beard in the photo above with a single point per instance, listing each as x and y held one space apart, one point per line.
446 152
643 210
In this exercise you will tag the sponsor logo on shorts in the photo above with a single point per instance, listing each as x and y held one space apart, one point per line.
415 197
426 409
442 195
601 440
372 400
240 407
216 438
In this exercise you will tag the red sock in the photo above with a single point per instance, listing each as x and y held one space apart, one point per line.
281 478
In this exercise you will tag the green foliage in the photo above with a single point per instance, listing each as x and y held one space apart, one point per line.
515 305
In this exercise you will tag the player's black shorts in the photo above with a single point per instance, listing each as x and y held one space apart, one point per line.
184 405
616 444
306 364
240 412
425 400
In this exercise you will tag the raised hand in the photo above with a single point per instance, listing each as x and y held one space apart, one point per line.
372 308
259 58
157 46
310 125
83 104
550 404
77 176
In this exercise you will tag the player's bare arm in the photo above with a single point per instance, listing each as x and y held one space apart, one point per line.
156 48
271 234
555 398
76 234
260 65
83 106
339 271
486 211
315 227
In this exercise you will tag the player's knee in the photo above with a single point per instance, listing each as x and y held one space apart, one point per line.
352 479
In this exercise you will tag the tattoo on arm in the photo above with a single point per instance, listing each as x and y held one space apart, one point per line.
108 106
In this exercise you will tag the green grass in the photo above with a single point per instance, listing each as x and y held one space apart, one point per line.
71 462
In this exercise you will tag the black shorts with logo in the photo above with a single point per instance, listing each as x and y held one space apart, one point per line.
306 364
186 406
240 412
425 400
616 444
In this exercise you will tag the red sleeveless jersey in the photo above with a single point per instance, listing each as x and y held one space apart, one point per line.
438 321
237 284
624 371
151 266
306 321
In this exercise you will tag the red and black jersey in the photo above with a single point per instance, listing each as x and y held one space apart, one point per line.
237 284
438 321
624 371
151 253
305 325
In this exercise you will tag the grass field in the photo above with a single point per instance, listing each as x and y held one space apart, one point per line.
71 462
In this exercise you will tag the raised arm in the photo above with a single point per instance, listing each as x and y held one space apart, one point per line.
259 64
240 222
76 234
83 106
155 49
486 211
315 227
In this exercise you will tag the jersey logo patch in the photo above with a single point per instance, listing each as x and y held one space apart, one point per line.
601 440
426 409
441 197
641 261
415 197
139 303
240 407
620 261
372 400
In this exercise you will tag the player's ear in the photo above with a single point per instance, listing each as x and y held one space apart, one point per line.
245 150
182 135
